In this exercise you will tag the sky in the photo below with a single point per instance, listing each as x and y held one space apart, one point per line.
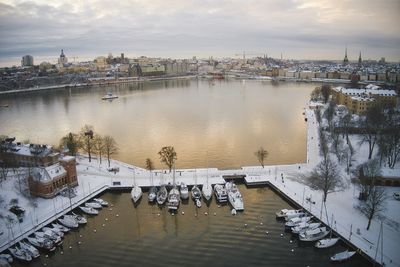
297 29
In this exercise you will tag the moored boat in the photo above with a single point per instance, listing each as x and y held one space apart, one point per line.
234 197
136 193
327 242
101 202
305 226
20 254
220 193
7 257
31 250
184 191
94 205
89 210
49 235
152 194
109 96
78 218
55 231
196 193
296 221
282 213
61 227
43 243
314 235
173 199
207 190
162 195
68 221
295 214
342 256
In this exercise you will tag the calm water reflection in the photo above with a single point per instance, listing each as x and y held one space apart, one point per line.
226 120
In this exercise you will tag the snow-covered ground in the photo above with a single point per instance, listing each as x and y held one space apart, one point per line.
94 178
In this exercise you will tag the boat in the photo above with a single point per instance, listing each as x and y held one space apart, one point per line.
31 250
342 256
20 254
109 96
314 235
7 257
68 221
54 230
327 242
94 205
196 193
162 195
173 198
184 191
43 243
295 214
61 227
282 213
198 203
101 202
220 193
396 195
234 197
304 226
79 218
89 210
136 192
152 194
207 190
296 221
49 235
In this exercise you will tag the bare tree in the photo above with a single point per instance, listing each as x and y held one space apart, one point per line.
110 147
329 114
261 155
87 141
367 174
325 177
372 127
150 167
98 146
326 91
168 156
316 94
374 204
72 142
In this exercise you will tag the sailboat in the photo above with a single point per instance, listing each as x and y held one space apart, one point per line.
173 196
136 192
207 190
196 193
184 191
153 190
327 242
162 195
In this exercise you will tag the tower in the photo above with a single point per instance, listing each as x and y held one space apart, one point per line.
359 61
62 59
345 60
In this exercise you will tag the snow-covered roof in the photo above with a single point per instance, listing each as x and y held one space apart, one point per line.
29 149
372 90
48 173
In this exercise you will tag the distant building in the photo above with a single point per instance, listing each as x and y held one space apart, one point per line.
360 61
27 61
62 60
345 60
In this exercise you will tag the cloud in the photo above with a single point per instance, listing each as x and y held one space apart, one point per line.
176 28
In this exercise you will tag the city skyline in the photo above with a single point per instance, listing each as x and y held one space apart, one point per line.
182 29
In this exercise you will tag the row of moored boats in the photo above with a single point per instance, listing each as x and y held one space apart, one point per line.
223 193
302 224
51 236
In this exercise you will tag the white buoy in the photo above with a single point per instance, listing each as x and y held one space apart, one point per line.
291 241
183 213
206 213
103 225
261 223
117 215
158 214
233 212
266 232
292 250
106 219
219 206
110 209
79 242
172 214
47 256
95 230
281 234
70 247
215 214
80 235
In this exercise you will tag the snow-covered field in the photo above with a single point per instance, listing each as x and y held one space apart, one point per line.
94 178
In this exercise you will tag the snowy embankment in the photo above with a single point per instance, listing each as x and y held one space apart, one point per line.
94 178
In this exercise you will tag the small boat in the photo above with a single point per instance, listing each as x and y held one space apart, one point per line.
79 218
101 202
109 96
207 190
94 205
314 235
234 197
89 210
196 193
342 256
327 242
54 230
184 191
152 194
43 243
396 195
68 221
198 203
173 198
296 221
295 214
136 193
61 227
20 254
282 213
31 250
7 257
49 235
162 195
220 193
304 226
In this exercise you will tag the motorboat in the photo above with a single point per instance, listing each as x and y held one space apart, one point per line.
304 226
94 205
43 243
109 96
162 195
342 256
295 214
207 190
196 193
30 249
184 191
173 198
54 230
20 254
136 193
89 210
198 203
49 235
220 193
396 195
152 194
61 227
68 221
79 218
235 198
314 235
327 242
282 213
7 257
228 186
296 221
101 202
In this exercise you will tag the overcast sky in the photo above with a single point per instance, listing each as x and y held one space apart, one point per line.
299 29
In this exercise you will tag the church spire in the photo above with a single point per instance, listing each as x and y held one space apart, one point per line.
359 61
345 60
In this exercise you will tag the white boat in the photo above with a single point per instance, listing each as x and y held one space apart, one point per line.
327 242
7 257
207 190
162 195
220 193
94 205
184 191
20 254
109 96
136 192
56 231
30 249
235 198
228 185
296 221
173 198
89 210
49 235
342 256
196 193
68 221
314 235
198 203
152 194
61 227
78 218
40 242
101 202
295 214
282 213
305 226
396 195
